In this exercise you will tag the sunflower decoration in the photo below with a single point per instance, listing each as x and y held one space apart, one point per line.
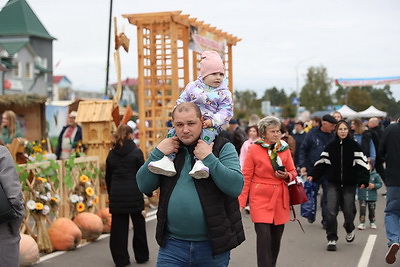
42 200
36 150
83 197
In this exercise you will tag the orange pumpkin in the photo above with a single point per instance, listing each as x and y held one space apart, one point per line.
90 224
28 250
64 234
106 217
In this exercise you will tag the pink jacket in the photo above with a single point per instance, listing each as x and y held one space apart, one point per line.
267 194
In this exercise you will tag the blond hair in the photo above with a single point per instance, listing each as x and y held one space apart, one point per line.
12 122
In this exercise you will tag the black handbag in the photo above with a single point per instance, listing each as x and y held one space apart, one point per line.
7 213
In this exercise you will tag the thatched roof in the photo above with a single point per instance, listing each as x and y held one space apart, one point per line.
21 100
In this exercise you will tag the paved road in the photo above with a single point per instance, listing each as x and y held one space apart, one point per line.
297 249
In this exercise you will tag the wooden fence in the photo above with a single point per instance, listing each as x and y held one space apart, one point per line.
54 182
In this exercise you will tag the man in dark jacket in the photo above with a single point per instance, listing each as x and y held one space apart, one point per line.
311 148
238 135
298 134
376 133
198 220
389 149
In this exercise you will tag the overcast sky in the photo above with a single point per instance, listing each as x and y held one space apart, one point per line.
352 39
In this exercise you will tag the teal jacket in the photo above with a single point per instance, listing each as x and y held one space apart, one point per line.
371 194
5 135
185 217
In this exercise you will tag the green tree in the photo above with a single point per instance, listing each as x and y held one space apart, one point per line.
359 98
315 94
277 98
246 103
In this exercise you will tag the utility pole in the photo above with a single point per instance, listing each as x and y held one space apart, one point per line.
108 48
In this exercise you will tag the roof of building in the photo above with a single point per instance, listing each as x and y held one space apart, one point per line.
17 18
13 47
127 82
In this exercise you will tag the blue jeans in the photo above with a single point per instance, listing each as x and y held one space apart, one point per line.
392 214
190 253
310 207
345 198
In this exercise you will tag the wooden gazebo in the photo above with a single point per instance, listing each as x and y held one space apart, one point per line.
165 64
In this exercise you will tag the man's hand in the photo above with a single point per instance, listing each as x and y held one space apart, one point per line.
303 171
169 145
202 149
207 123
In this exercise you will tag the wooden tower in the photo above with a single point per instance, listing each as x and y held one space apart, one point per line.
165 64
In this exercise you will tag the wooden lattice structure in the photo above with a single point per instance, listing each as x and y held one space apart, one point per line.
165 64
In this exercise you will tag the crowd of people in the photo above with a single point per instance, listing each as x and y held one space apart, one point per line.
210 167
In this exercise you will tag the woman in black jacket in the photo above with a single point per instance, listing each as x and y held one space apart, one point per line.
346 167
122 164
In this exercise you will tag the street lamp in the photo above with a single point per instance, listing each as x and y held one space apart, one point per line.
297 74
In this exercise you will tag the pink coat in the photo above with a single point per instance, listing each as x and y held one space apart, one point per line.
268 195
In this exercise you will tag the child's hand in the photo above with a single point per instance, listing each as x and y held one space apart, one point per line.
371 186
207 123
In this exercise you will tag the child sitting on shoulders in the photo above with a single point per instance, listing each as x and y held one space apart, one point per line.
210 92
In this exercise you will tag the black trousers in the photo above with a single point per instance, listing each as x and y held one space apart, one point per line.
343 197
119 238
268 243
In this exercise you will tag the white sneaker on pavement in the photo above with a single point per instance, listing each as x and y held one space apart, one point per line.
164 166
199 170
350 236
361 226
373 226
331 245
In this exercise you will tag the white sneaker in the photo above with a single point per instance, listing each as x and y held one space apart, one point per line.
164 166
350 236
331 245
373 226
361 226
199 170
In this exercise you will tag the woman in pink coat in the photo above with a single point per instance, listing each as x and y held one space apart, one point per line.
267 169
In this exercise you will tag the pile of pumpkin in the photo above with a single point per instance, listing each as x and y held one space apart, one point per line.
66 234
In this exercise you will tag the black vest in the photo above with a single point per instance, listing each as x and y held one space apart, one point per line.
222 214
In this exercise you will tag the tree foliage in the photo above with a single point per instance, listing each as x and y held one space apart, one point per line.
315 94
246 103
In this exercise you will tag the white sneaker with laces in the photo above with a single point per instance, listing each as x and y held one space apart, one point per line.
331 245
164 166
373 226
361 226
350 236
199 170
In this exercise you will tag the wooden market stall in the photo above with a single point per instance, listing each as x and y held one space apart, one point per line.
30 111
165 64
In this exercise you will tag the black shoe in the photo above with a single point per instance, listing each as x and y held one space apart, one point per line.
391 254
331 245
311 220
